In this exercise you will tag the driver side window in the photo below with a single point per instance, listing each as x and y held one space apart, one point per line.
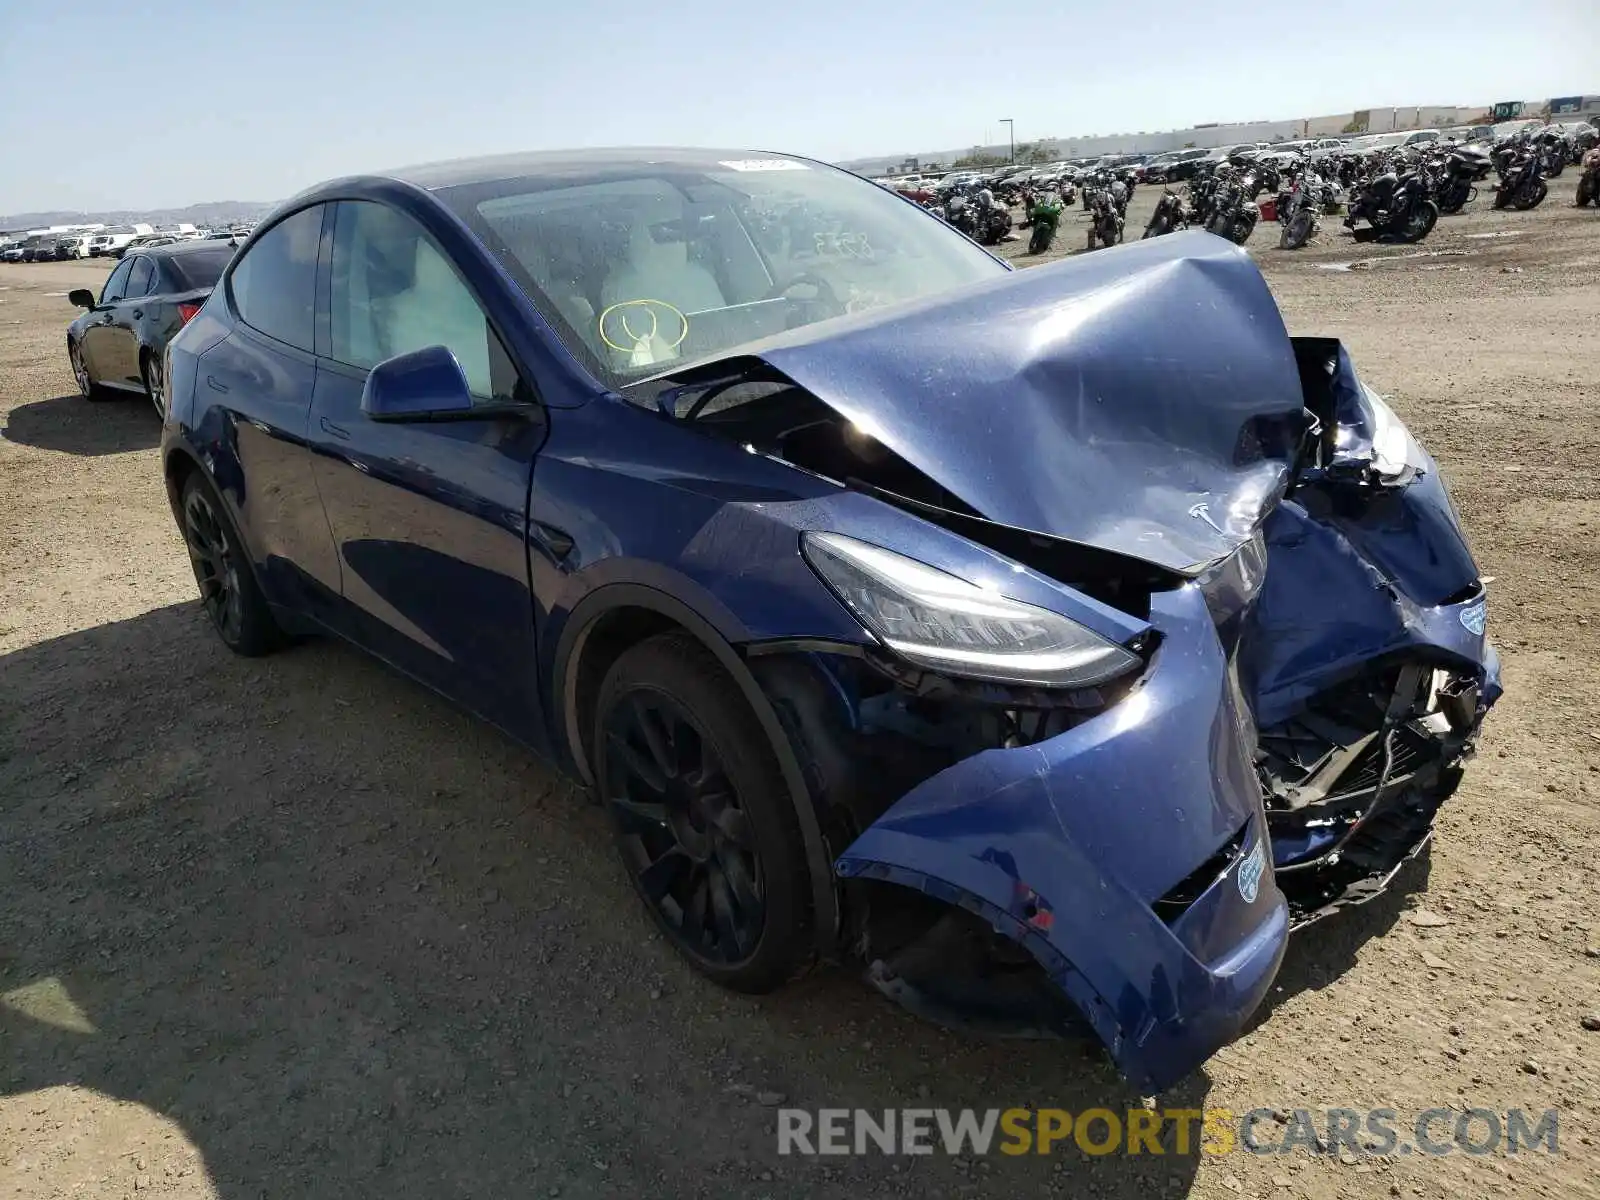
119 278
393 291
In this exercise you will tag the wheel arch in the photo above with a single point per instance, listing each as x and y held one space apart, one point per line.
617 616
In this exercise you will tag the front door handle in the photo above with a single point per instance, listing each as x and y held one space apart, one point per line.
557 543
338 431
211 382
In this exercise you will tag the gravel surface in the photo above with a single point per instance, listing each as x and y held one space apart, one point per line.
296 927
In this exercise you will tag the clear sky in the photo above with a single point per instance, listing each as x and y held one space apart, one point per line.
144 105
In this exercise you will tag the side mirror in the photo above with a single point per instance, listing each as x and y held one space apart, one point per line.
81 298
423 385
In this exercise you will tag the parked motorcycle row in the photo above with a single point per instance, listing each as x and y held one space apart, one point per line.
1395 194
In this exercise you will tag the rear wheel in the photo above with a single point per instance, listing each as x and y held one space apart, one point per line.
701 815
153 370
1298 230
1420 221
228 588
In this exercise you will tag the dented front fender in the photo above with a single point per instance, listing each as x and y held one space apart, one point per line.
1069 846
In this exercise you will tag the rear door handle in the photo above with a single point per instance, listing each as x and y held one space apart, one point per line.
137 313
211 382
338 431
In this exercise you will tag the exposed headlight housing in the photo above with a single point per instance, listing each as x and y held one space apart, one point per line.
943 623
1396 456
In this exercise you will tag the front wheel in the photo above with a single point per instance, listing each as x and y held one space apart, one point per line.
701 814
228 587
87 387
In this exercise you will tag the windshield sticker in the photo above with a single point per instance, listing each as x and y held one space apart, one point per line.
764 164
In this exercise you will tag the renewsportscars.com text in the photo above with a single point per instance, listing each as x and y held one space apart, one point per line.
1177 1131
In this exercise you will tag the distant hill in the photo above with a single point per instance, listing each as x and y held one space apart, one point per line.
213 213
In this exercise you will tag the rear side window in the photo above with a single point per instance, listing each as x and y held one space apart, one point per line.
274 285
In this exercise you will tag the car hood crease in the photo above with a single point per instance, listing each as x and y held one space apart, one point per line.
1144 400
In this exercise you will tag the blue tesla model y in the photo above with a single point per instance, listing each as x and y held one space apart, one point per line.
1049 643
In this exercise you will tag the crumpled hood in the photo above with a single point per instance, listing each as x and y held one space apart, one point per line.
1143 399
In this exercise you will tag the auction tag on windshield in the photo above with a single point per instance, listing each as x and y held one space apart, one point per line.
764 164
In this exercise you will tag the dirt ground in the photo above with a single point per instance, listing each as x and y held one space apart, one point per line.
295 927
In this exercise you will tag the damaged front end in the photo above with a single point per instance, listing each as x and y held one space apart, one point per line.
1366 653
1283 662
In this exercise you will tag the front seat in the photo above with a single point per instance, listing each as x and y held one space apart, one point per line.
662 272
437 309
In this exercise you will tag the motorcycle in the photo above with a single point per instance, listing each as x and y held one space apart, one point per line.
1045 216
1455 175
1235 213
1589 181
1556 150
1522 186
1169 215
1105 222
1394 206
1297 210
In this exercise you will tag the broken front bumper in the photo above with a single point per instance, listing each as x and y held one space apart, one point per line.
1128 855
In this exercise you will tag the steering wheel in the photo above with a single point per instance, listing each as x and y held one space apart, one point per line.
826 300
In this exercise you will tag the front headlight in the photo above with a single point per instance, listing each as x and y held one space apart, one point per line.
944 623
1395 453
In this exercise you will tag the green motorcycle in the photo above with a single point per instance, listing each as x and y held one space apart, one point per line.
1045 216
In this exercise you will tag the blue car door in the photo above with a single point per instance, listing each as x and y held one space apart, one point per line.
256 385
429 518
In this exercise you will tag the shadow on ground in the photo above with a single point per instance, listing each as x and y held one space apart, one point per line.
357 944
73 425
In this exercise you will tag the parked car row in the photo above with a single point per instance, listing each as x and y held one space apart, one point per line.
58 247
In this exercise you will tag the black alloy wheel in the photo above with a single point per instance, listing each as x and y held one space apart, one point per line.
228 589
701 815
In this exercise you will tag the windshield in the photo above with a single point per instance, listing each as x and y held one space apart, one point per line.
644 273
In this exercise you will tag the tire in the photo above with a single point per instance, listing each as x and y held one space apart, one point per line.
228 589
702 820
153 371
1091 237
1298 231
1240 230
1424 216
88 387
1522 204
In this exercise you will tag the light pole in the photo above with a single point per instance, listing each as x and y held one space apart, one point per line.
1011 129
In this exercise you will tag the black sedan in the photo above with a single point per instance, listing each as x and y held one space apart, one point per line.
120 344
